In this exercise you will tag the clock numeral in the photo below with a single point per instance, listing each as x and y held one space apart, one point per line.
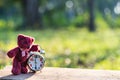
41 65
31 65
41 59
31 59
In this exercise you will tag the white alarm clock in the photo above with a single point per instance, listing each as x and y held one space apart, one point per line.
36 61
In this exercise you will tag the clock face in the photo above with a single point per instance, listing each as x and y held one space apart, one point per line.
36 62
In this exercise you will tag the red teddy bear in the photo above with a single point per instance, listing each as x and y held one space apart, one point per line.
21 53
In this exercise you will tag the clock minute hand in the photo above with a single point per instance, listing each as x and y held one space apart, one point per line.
35 62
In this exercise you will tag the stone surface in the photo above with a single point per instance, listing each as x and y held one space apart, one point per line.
52 73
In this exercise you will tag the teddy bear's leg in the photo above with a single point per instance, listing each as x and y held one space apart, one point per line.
16 69
24 67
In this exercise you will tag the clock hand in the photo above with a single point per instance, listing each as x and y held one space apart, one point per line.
35 62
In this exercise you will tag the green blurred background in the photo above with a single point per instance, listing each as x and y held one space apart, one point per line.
74 33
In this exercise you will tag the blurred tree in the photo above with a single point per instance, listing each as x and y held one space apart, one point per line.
107 10
32 19
91 15
57 13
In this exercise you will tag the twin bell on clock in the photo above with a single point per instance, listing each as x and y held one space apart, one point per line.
26 56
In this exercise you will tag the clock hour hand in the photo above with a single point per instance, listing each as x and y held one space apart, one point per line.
35 62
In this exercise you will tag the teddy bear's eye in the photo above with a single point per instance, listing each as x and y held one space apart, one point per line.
24 42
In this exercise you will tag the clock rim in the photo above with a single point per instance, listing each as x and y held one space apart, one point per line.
42 65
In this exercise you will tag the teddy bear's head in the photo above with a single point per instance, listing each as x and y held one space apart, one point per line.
25 42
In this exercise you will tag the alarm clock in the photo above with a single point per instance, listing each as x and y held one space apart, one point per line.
36 61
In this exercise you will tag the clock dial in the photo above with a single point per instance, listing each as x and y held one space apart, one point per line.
36 62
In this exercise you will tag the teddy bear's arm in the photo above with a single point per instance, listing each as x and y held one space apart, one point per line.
13 52
35 48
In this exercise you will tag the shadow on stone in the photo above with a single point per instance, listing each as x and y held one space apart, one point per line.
17 77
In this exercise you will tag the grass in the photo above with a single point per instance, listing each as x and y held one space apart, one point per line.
71 48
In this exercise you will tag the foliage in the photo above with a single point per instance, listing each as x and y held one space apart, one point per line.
81 20
72 48
57 14
10 23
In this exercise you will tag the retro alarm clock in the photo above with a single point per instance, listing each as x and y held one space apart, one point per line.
36 61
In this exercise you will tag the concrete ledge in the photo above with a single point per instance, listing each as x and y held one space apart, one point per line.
51 73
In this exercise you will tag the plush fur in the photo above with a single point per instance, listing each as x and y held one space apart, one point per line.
20 54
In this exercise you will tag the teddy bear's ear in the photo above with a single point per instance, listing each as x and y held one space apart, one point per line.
20 36
33 39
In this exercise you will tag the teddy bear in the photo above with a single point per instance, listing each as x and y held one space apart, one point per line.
20 54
